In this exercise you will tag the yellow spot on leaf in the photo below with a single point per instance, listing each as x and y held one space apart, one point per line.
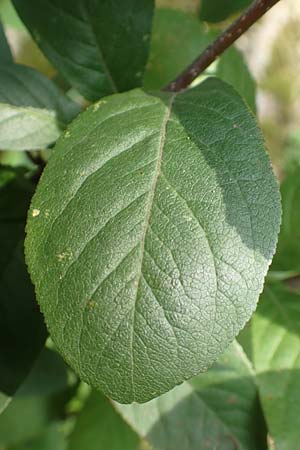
64 256
35 212
98 104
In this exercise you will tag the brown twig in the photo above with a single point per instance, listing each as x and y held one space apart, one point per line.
222 43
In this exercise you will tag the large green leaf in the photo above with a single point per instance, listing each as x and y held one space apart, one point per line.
22 331
276 356
216 410
156 218
287 258
27 128
217 10
177 39
24 86
100 426
100 47
5 52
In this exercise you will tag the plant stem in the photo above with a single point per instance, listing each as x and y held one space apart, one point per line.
222 43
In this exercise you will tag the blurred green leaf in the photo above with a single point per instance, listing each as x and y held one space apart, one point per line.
23 419
218 409
24 86
27 128
5 52
44 395
276 355
292 153
99 47
99 427
287 257
52 438
48 376
177 39
218 10
9 16
22 330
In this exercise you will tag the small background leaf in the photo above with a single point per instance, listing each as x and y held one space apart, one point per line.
24 86
177 39
99 425
48 375
34 415
27 128
5 53
287 258
218 10
51 438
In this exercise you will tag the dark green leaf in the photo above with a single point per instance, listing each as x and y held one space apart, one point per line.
216 410
217 10
287 258
100 426
22 331
24 86
52 438
156 235
25 418
177 39
27 128
5 52
100 47
48 375
275 352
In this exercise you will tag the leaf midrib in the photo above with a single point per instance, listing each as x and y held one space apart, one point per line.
147 222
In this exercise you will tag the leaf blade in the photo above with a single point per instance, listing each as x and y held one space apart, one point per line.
161 286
